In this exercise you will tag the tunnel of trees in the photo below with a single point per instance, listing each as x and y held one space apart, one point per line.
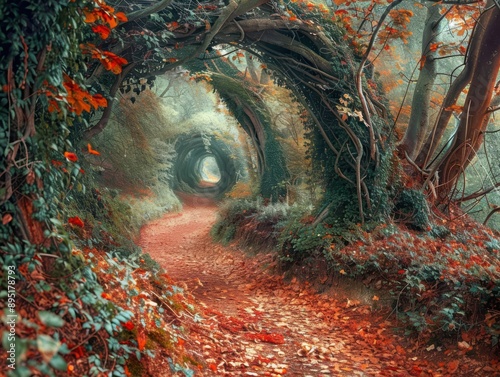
190 173
325 130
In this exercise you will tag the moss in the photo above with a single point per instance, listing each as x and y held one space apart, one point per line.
135 367
160 337
411 208
189 360
240 101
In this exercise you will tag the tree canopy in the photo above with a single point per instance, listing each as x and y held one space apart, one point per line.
379 107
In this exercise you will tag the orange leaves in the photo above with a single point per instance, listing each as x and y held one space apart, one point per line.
106 296
268 338
76 98
109 60
141 340
401 17
71 156
104 14
122 17
422 62
80 100
453 366
434 46
102 30
455 107
170 60
129 325
171 26
76 221
92 151
112 62
238 56
99 100
398 28
7 218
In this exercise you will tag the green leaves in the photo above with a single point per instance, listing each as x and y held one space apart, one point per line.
50 319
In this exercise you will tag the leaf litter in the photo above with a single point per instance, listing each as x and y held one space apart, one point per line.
254 323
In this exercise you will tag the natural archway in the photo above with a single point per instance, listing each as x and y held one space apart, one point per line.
194 152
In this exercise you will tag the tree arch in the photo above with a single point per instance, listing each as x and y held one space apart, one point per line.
253 116
315 62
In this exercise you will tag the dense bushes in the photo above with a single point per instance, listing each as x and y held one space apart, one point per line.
442 282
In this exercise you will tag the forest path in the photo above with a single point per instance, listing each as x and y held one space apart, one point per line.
262 326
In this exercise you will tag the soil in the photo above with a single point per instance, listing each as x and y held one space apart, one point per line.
262 325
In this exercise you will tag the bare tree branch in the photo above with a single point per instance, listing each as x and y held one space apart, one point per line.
155 8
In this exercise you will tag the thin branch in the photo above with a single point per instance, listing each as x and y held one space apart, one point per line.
493 211
155 8
359 83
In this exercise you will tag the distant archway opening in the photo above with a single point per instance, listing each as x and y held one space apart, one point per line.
205 166
209 170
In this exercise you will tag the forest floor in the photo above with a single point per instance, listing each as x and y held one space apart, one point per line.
257 324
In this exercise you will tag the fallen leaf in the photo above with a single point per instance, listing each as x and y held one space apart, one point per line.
453 366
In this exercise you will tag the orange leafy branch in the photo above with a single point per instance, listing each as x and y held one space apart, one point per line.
76 98
104 14
109 60
79 99
102 30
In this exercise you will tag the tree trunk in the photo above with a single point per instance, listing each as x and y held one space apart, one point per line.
251 68
419 119
470 133
462 80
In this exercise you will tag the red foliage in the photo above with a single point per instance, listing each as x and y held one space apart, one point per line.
76 221
92 151
141 340
70 156
102 30
268 338
109 60
129 325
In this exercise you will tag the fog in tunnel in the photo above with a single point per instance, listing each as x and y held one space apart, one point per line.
205 166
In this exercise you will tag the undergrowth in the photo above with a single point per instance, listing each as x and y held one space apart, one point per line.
444 280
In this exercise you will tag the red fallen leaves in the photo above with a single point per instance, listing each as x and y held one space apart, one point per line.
106 296
129 325
70 156
76 221
141 340
268 338
453 366
213 367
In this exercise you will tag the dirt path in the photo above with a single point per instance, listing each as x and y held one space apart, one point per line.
264 327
